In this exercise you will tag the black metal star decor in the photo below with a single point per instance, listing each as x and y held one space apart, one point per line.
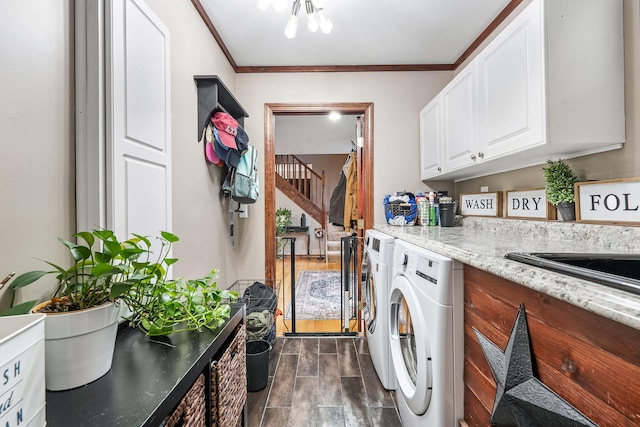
521 399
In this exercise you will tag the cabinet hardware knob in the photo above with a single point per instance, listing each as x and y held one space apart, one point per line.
481 155
439 169
473 157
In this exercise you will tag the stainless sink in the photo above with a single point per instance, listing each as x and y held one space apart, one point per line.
620 271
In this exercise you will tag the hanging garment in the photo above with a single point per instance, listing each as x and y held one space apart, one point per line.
351 193
336 203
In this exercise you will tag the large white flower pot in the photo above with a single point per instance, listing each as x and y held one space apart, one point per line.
79 345
22 396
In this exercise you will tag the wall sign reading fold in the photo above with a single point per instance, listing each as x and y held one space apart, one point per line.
615 201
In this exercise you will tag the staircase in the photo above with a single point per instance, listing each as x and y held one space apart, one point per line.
301 184
305 187
333 243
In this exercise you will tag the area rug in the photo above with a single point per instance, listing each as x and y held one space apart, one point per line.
317 296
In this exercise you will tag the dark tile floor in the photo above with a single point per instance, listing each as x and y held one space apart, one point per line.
318 382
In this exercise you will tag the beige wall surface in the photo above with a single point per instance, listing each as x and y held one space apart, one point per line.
623 163
37 178
200 212
397 99
37 128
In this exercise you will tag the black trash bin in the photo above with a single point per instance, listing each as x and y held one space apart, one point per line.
257 364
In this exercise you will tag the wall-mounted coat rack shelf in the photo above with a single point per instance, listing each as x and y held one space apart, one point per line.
213 93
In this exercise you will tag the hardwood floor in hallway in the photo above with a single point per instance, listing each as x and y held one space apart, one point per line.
283 276
322 382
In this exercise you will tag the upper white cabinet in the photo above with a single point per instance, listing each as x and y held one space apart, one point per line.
551 84
510 72
459 104
431 139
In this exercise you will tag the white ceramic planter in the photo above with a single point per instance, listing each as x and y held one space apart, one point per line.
79 345
22 396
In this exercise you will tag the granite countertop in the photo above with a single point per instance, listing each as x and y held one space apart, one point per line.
483 242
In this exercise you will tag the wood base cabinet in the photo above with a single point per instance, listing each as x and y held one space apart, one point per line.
590 361
551 84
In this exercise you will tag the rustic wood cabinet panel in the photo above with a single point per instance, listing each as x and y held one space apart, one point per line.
590 361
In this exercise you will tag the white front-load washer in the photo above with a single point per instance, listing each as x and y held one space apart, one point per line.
376 280
427 336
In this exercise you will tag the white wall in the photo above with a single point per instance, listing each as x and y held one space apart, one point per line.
397 98
37 130
37 178
314 134
200 216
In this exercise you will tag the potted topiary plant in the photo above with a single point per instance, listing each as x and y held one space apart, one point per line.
83 316
283 220
559 187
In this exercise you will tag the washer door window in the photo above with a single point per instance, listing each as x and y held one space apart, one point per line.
369 286
410 349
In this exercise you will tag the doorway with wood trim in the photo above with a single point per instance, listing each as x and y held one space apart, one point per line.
365 180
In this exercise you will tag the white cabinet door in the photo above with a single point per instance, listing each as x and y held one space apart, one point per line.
431 139
460 120
511 87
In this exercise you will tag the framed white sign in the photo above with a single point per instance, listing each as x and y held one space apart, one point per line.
615 201
529 204
481 204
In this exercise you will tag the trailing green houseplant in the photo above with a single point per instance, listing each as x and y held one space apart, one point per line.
82 321
559 187
108 270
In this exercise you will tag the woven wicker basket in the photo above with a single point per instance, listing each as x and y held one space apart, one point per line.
191 411
229 382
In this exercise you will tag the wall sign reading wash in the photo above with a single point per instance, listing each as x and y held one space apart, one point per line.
529 204
481 204
615 201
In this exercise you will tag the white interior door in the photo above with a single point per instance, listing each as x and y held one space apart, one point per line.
138 120
123 118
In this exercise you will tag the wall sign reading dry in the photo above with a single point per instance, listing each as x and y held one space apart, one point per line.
529 204
615 201
481 204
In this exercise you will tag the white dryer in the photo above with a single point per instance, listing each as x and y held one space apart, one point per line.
427 336
376 281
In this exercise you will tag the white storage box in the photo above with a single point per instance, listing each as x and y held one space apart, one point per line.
22 392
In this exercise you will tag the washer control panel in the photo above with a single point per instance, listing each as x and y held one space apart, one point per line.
427 269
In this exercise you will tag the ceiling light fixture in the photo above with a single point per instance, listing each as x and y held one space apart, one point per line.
325 24
264 4
280 5
292 24
317 18
312 23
